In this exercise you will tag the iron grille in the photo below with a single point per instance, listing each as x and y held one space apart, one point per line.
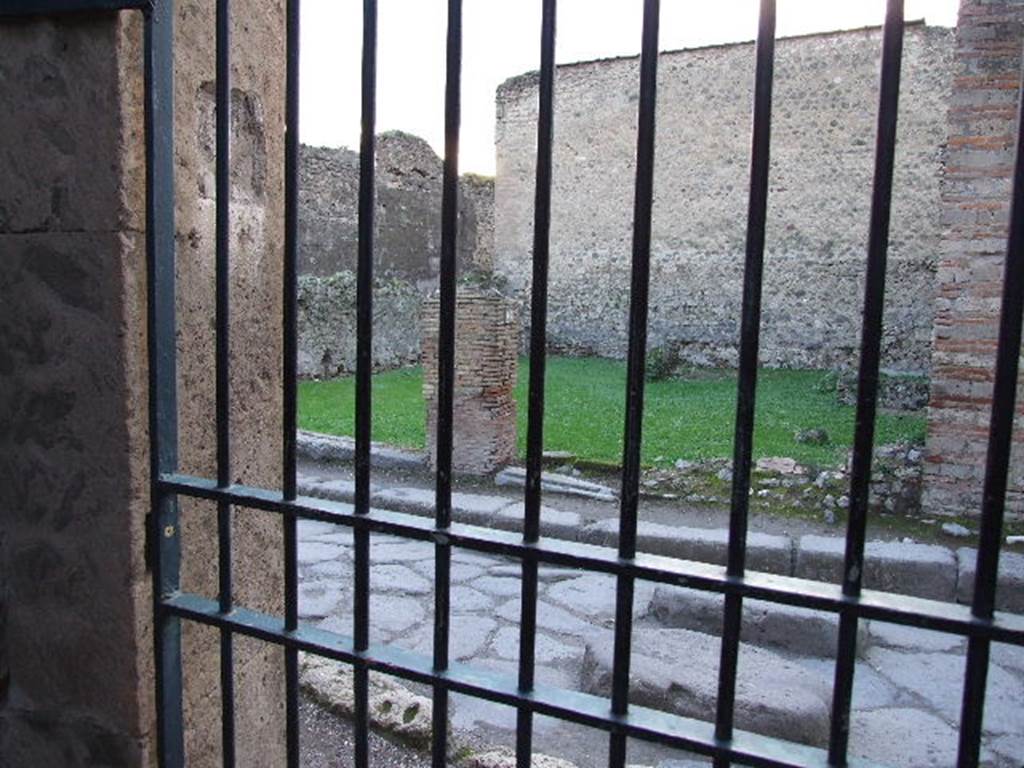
980 623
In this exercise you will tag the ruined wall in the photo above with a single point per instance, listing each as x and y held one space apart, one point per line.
822 158
76 677
407 247
975 213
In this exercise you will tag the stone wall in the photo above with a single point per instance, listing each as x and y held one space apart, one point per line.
975 213
826 95
76 675
486 348
407 248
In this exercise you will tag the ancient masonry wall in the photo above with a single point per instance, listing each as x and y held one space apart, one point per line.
407 248
826 94
76 647
486 348
975 214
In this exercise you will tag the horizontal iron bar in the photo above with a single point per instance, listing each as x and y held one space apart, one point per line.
50 7
816 595
586 709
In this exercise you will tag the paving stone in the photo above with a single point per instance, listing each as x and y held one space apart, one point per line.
870 689
474 715
341 538
466 599
399 578
773 695
904 737
765 552
938 678
310 552
1008 657
593 595
308 529
331 569
922 570
506 758
391 614
548 650
1009 747
469 557
317 599
549 574
1010 587
499 586
549 617
468 638
911 638
799 630
392 550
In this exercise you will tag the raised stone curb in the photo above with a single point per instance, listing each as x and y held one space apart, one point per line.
765 552
921 570
1010 585
773 625
320 447
773 695
552 482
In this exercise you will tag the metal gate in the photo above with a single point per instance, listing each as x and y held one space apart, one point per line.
720 740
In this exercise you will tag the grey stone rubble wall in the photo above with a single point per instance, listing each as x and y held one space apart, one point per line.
407 248
826 93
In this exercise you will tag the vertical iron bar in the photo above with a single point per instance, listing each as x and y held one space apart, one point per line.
289 347
446 372
364 368
743 443
158 73
223 235
996 464
867 384
642 209
538 341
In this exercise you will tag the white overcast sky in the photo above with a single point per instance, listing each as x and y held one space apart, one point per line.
502 39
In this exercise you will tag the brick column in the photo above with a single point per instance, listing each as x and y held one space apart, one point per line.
486 345
975 206
75 591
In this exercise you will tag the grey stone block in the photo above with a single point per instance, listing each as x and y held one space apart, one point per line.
676 670
338 449
905 737
765 552
552 482
798 630
921 570
1010 586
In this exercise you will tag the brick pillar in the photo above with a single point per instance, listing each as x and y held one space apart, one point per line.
75 592
975 206
487 342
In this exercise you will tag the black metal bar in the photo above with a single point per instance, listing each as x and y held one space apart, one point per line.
643 202
158 74
867 383
538 359
446 372
53 7
364 369
908 611
997 462
289 372
223 375
592 711
743 443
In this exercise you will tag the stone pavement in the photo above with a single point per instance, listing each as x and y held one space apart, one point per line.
908 683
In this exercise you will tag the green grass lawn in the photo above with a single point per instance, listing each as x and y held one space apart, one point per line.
690 418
